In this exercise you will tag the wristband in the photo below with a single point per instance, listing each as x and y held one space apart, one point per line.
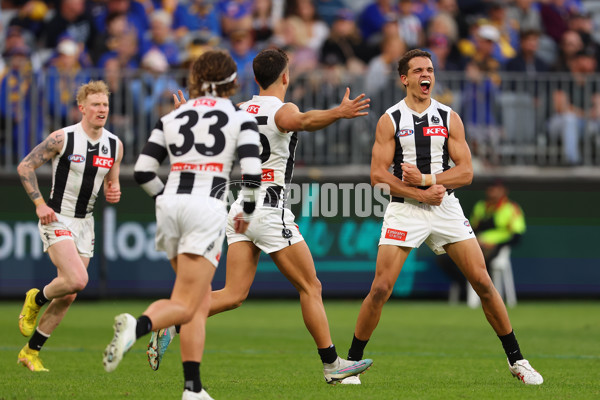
422 179
38 201
433 180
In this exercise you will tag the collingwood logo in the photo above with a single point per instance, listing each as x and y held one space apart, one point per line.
435 120
104 149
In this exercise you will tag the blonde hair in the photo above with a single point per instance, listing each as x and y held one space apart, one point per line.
92 87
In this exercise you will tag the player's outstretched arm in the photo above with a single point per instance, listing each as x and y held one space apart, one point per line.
381 159
41 154
112 186
290 119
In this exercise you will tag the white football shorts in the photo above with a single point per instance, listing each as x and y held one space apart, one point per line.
190 224
411 223
271 229
79 230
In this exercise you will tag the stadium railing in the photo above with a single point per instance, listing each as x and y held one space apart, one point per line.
511 119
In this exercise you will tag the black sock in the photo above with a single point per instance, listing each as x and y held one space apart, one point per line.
37 340
511 347
357 349
177 328
328 354
144 325
191 376
40 299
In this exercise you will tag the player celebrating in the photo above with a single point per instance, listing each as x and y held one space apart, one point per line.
274 231
84 156
420 136
201 139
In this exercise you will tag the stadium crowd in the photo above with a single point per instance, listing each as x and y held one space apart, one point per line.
137 46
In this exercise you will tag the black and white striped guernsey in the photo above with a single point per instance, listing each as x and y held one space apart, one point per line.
421 138
78 171
201 138
277 149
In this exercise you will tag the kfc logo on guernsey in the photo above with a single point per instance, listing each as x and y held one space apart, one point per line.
395 234
76 158
435 131
205 102
103 162
268 175
253 109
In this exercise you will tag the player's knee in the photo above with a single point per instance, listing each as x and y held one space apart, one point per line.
78 282
381 292
482 285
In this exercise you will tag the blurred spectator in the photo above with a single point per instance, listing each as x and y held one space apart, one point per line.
497 221
410 27
424 10
31 17
20 123
134 10
235 15
345 45
116 26
443 56
508 43
160 37
526 60
374 17
63 77
328 9
14 38
264 22
381 68
479 95
194 16
450 8
72 19
315 29
527 15
573 103
582 24
570 44
555 16
243 53
294 41
126 51
121 117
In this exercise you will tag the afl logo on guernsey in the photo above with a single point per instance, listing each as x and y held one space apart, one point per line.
76 158
404 132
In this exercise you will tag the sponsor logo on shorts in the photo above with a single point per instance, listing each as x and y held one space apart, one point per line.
103 162
268 175
205 102
435 131
76 158
218 257
210 167
395 234
62 232
405 132
253 109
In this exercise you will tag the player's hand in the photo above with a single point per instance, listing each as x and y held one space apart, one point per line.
411 174
45 214
240 223
433 195
112 193
178 101
354 108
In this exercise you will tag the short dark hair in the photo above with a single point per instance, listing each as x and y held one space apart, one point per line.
409 55
268 65
212 66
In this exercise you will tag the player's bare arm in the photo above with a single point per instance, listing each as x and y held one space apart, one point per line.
41 154
460 175
289 118
381 159
112 186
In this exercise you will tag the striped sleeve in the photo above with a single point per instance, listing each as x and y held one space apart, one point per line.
148 162
248 154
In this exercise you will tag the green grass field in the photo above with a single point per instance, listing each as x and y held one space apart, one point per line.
422 350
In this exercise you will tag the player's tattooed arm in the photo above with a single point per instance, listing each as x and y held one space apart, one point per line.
41 154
